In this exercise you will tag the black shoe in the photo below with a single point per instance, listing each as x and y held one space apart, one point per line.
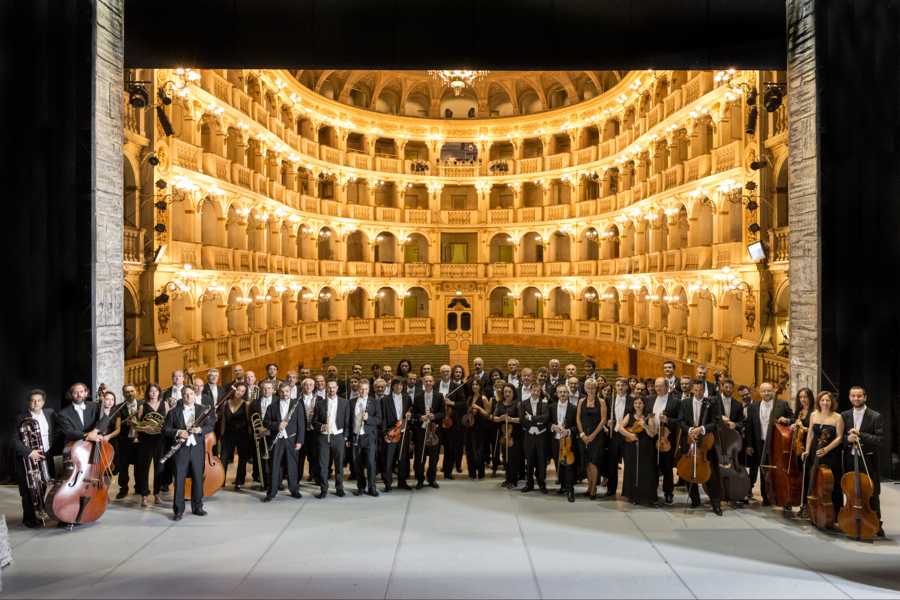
268 498
543 489
449 476
766 503
281 487
164 488
387 489
433 484
339 493
199 512
695 505
560 491
175 518
121 494
593 497
357 492
571 496
322 494
351 478
880 533
404 486
296 495
610 494
458 470
420 485
557 482
373 492
717 510
31 524
528 487
670 500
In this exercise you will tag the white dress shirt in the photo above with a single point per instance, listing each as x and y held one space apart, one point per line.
444 388
309 403
332 416
357 415
659 406
188 424
79 410
573 398
561 416
176 392
214 392
726 407
526 393
671 382
765 414
295 391
428 400
320 393
534 430
45 429
619 408
285 407
398 405
264 404
698 409
514 380
857 423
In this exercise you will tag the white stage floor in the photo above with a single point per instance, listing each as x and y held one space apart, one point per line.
468 539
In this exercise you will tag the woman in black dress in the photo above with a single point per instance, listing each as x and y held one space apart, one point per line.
506 411
404 368
592 441
111 434
604 390
474 434
234 433
640 480
151 446
801 407
825 417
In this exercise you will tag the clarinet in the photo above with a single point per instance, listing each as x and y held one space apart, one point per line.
286 420
180 441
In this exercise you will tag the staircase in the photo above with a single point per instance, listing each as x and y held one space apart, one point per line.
418 355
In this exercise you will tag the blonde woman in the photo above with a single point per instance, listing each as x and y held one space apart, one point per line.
826 418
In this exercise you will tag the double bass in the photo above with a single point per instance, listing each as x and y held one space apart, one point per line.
778 464
857 519
733 478
821 484
81 495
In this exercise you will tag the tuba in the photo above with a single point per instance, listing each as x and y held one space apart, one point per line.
36 474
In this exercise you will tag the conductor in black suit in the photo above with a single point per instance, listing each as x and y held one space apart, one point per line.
190 457
48 423
82 420
332 421
287 436
366 418
697 418
864 425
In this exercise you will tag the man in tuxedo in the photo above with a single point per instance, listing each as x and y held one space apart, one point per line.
288 435
49 428
533 416
554 376
575 391
172 394
253 389
618 405
127 455
512 372
238 372
309 451
761 416
189 459
320 387
304 373
686 385
260 406
366 418
561 416
272 375
82 420
590 372
863 426
731 410
428 406
696 419
212 389
332 421
666 407
526 379
395 406
413 385
709 388
449 392
479 372
671 380
332 373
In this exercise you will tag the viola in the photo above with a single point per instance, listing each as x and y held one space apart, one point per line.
733 478
393 434
857 519
565 448
447 423
213 471
82 494
821 484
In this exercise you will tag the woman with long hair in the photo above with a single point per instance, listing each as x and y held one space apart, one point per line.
641 479
234 430
826 417
802 408
506 411
150 445
404 368
474 433
591 419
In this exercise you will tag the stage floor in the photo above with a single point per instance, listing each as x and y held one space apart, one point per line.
468 539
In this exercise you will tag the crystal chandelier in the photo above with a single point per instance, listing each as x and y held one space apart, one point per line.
458 79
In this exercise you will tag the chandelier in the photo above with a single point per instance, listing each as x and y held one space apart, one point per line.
458 79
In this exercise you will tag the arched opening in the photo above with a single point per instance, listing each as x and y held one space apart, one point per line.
501 249
659 309
387 102
730 317
500 303
288 247
609 309
560 304
356 247
416 304
327 136
182 319
210 324
559 247
132 325
590 302
273 229
209 224
702 229
532 303
459 106
590 244
385 303
416 249
130 194
356 304
306 246
678 228
326 244
306 309
327 309
500 105
626 240
257 310
529 103
611 243
630 308
532 248
273 305
256 232
386 249
701 317
678 311
235 313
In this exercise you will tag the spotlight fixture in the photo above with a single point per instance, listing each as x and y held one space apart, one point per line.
161 299
750 186
756 165
752 205
137 95
772 98
161 205
751 96
160 228
153 160
164 97
161 184
754 228
751 120
164 121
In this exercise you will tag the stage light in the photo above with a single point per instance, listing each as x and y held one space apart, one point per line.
754 228
161 205
756 165
153 161
137 96
751 121
160 228
750 186
161 299
752 205
751 96
161 184
164 97
164 121
772 98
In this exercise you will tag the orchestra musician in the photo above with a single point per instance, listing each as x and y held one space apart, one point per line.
212 389
394 407
172 394
802 409
473 434
759 415
127 453
366 419
332 421
190 458
639 476
671 380
309 452
272 377
534 413
619 405
252 388
506 412
448 390
825 417
234 431
696 419
238 372
562 416
428 406
48 424
666 407
864 425
259 406
151 447
82 420
111 433
287 428
591 419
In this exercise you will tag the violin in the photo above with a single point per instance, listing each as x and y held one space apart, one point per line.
799 436
447 423
431 436
821 484
693 466
82 494
663 444
393 434
635 428
469 418
782 478
857 519
565 448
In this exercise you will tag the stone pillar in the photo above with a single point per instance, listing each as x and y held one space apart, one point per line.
803 191
517 190
107 123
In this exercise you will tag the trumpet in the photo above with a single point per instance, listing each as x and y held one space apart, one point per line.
256 424
36 473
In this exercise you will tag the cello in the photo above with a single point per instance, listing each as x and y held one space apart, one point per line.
82 494
734 480
821 483
857 519
693 466
782 478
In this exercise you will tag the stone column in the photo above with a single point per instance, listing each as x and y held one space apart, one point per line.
803 190
107 123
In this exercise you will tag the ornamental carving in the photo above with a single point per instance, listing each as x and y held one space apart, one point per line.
162 317
750 312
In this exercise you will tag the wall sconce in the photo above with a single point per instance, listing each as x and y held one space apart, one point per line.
211 293
569 290
242 303
514 296
591 298
323 236
610 299
513 241
593 236
376 241
541 297
346 293
376 297
724 77
312 299
260 301
569 231
347 231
